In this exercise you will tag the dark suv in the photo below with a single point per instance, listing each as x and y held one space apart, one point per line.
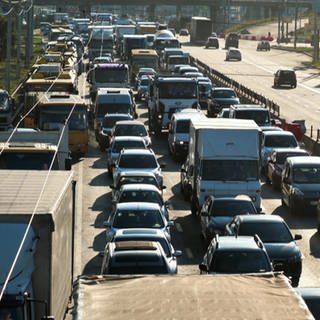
285 77
277 239
233 255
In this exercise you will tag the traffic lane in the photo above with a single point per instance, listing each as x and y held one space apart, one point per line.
256 71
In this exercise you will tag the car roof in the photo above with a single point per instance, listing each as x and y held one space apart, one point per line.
286 150
271 128
139 186
187 115
307 160
136 174
145 69
278 133
222 88
138 206
117 115
242 197
128 138
130 122
285 69
237 243
138 232
138 151
263 218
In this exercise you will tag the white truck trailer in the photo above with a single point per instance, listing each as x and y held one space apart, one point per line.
224 160
41 281
187 297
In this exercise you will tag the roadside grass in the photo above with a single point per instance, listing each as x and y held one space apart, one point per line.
24 70
248 24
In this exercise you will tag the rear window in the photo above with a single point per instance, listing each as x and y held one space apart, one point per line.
129 144
280 141
183 126
223 94
138 161
232 208
261 117
130 130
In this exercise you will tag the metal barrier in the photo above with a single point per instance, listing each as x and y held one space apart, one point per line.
246 94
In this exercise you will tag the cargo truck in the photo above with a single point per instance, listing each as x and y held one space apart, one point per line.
8 110
224 160
32 149
187 297
41 281
200 29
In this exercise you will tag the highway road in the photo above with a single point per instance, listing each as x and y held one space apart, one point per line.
93 182
256 71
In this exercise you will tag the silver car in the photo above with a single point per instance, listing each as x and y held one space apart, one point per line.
142 193
233 54
153 235
129 215
120 143
132 160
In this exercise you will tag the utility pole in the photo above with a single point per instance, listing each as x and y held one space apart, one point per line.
9 43
295 24
19 17
316 10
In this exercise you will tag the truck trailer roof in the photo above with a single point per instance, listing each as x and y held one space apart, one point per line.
20 189
186 297
225 123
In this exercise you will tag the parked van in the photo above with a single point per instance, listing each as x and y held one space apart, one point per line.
112 100
178 137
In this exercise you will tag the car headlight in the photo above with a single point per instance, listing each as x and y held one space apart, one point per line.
179 142
297 192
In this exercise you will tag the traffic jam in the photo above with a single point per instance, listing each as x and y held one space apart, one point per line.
123 87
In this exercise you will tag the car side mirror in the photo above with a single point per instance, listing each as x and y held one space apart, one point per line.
106 224
297 237
203 267
183 170
204 214
111 186
163 165
273 122
163 187
177 253
170 223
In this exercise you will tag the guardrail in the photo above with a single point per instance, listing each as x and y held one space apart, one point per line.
249 96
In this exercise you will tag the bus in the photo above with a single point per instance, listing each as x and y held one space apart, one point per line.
143 58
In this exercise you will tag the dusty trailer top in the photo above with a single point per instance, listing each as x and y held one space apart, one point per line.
20 189
227 297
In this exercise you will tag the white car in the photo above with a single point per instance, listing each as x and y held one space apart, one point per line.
233 54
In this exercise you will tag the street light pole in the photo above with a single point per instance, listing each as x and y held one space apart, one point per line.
295 24
9 43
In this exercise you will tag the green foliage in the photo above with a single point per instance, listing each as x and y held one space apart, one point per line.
248 24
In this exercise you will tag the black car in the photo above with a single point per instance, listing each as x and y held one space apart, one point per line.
217 212
285 77
277 239
221 97
212 42
233 255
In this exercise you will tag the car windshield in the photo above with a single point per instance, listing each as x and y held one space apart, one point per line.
230 170
281 141
287 74
223 94
130 130
231 208
104 108
141 196
310 174
239 262
144 218
109 122
144 82
137 179
183 126
261 117
182 90
138 161
268 232
127 144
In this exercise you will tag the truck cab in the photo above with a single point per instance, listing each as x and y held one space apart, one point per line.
169 95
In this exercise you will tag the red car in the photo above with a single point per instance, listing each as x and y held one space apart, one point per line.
276 162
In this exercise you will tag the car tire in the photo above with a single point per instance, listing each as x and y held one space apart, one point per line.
292 207
282 202
194 207
295 281
268 181
110 172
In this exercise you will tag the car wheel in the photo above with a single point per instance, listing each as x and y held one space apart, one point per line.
194 207
295 281
282 202
268 181
292 207
109 171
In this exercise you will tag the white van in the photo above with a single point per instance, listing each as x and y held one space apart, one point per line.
178 137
